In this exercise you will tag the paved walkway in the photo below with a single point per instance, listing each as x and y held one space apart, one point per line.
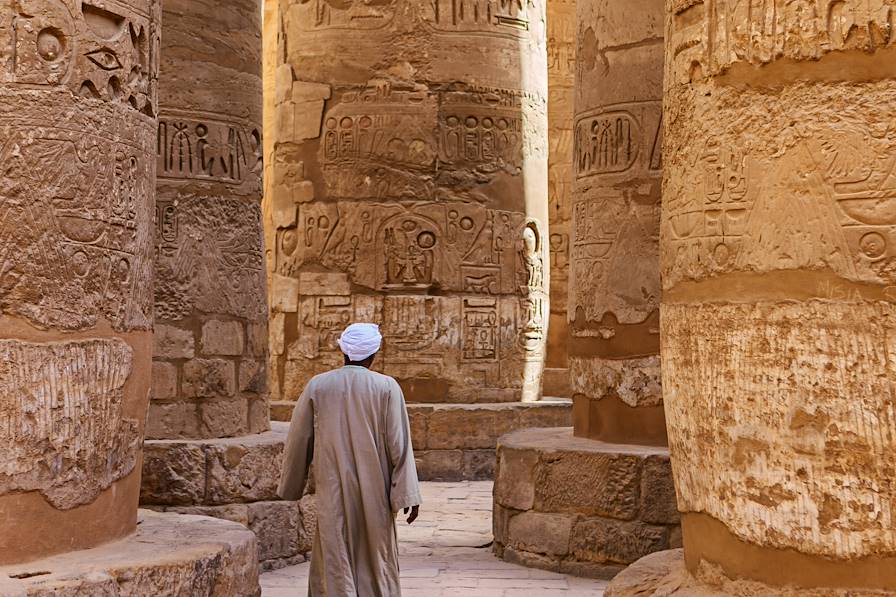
446 553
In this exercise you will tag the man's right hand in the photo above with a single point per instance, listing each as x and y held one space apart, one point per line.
415 512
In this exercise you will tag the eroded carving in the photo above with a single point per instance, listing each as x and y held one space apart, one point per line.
61 421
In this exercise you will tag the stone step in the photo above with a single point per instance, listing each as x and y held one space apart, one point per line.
581 506
233 479
166 555
456 442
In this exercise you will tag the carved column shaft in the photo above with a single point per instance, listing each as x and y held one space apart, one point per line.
561 79
614 287
77 124
778 238
410 189
210 361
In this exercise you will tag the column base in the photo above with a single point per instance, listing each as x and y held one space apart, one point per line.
579 506
167 555
664 573
233 479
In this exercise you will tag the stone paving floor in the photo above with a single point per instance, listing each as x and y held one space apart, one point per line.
446 553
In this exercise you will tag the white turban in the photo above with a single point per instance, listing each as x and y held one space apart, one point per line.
360 340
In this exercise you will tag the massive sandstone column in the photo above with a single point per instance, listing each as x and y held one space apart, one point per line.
593 499
77 128
212 451
614 288
410 189
210 361
777 254
561 76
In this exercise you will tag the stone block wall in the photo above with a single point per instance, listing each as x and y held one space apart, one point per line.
580 506
209 380
233 479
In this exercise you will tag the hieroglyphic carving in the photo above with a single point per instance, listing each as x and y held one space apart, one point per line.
323 15
504 18
75 223
454 246
61 421
716 34
840 180
480 333
612 139
208 149
105 50
208 258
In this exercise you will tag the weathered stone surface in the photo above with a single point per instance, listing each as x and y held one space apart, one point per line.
515 481
276 525
440 465
243 469
173 473
65 433
616 541
664 573
213 472
170 554
605 483
308 523
222 338
617 177
407 188
561 48
541 533
592 507
208 378
209 268
777 262
173 343
658 499
531 560
164 380
222 417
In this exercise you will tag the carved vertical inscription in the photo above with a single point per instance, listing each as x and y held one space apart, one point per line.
61 420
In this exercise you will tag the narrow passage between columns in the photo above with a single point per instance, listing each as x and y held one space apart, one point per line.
447 553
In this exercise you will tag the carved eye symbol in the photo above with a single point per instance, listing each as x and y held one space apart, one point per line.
105 59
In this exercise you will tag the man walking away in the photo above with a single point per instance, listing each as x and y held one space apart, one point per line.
354 423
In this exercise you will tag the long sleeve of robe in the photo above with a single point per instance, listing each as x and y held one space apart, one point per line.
353 423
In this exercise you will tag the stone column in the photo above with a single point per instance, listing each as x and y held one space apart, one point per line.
210 415
210 361
561 76
410 189
614 282
778 239
77 125
594 499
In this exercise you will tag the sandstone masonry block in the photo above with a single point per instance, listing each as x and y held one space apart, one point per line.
541 533
531 560
515 480
308 523
615 541
173 474
658 502
164 380
173 343
207 378
276 524
603 484
166 420
223 417
243 470
440 465
232 512
479 465
222 338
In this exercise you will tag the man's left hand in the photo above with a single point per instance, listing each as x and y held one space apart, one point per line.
415 512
